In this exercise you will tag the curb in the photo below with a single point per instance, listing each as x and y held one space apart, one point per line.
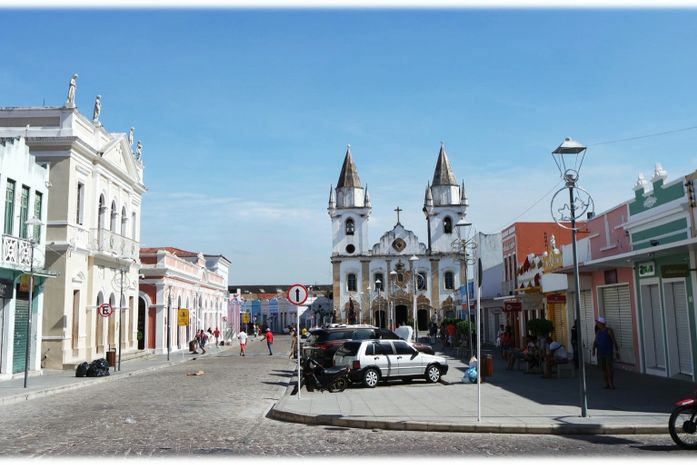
337 420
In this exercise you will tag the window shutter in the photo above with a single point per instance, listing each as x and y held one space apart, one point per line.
619 317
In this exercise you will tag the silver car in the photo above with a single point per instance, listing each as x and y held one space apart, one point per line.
373 360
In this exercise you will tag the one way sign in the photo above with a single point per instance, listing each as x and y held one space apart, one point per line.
297 294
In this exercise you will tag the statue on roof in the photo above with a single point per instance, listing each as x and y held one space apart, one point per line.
139 151
130 137
70 101
97 110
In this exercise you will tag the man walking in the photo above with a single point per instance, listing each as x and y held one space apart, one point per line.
242 337
269 340
605 343
293 343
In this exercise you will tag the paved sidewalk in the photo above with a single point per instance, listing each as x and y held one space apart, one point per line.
53 381
511 402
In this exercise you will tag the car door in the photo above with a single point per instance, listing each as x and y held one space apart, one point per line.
391 359
408 360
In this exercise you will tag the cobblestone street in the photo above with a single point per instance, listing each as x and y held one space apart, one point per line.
222 412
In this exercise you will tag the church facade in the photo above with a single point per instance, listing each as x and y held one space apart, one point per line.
399 278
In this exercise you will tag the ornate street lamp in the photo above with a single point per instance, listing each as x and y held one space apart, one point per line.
377 288
32 242
393 278
462 246
569 159
412 265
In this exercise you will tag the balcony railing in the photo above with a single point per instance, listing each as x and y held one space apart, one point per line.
16 253
105 241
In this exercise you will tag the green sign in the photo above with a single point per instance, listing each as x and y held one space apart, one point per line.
675 271
647 269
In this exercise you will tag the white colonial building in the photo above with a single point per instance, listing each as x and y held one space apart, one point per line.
25 186
93 228
375 283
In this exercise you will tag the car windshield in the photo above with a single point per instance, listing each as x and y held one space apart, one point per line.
348 348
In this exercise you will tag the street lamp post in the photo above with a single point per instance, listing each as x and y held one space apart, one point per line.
32 242
377 288
412 264
393 278
462 245
169 305
580 202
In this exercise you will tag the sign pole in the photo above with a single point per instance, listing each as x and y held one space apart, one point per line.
297 295
479 340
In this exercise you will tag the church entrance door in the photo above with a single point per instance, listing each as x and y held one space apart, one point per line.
422 317
400 315
380 319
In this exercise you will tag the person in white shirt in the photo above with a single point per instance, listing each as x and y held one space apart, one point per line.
555 353
242 337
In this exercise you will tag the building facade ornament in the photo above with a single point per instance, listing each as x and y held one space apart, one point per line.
72 87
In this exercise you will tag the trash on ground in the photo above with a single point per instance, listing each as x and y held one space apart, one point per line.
197 373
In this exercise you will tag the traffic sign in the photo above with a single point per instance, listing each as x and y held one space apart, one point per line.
105 310
297 294
183 316
245 318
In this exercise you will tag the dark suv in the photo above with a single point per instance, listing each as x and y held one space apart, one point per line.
322 343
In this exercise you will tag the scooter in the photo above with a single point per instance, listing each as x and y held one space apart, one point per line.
683 423
315 376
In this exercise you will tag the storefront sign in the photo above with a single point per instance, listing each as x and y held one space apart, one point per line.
5 289
512 306
675 271
647 269
556 298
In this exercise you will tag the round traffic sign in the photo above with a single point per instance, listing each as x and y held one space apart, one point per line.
105 309
297 294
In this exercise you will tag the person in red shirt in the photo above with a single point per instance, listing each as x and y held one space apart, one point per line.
269 340
216 333
452 330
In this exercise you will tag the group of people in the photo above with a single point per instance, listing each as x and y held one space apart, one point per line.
544 354
242 338
202 337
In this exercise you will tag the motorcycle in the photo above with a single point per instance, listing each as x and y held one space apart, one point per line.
315 376
683 423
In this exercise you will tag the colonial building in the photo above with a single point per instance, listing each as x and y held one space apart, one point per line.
25 184
382 283
180 293
93 228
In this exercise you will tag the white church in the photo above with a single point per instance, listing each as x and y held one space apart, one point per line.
374 284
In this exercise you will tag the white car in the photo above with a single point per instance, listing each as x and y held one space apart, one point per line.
373 360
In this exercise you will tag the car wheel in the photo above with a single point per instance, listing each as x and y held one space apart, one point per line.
433 373
371 377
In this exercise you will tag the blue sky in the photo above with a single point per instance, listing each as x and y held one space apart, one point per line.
245 114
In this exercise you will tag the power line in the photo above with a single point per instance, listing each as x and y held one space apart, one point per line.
645 136
533 205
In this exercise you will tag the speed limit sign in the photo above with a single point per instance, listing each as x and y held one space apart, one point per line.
105 310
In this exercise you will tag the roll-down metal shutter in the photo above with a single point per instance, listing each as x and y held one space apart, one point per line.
618 313
676 303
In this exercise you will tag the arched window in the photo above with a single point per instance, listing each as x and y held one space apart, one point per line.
421 281
350 227
447 225
114 216
124 221
449 280
381 285
351 282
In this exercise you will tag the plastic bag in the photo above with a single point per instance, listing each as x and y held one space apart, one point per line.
97 368
81 369
470 375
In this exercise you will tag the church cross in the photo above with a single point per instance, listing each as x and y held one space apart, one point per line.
398 210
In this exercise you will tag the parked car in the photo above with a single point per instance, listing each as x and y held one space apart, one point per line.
322 343
373 360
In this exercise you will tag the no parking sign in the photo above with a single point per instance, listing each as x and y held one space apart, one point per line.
105 310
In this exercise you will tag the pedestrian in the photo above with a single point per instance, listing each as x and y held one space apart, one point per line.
452 331
242 337
216 334
269 339
293 343
433 332
498 338
202 341
605 343
256 331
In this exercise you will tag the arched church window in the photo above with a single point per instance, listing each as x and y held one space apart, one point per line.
381 285
351 282
350 227
421 282
447 225
449 280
